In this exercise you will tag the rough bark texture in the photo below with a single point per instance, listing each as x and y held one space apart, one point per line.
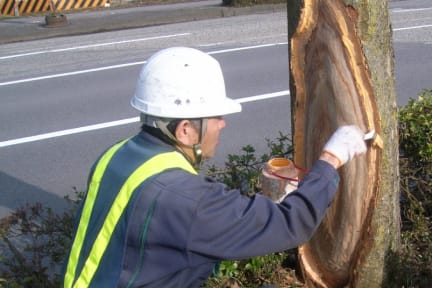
341 73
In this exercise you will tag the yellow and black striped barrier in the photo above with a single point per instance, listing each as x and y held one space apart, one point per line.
21 7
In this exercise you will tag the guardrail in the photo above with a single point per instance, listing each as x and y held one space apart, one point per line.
21 7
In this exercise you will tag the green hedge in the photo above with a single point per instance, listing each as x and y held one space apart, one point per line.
415 129
413 267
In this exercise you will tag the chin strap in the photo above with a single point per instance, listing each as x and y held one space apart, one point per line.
162 124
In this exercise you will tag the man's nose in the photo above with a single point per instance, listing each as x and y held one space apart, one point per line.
222 123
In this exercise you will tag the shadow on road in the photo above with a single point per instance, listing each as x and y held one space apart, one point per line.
20 193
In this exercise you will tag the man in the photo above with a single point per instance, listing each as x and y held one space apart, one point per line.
149 219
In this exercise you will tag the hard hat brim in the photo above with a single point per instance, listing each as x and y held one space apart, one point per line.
188 111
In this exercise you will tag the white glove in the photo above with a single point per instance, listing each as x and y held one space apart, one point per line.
346 143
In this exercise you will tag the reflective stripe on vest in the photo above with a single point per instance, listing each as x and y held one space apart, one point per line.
151 167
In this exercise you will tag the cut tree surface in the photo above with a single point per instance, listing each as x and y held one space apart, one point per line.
333 88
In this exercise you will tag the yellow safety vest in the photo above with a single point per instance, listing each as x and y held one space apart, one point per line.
153 166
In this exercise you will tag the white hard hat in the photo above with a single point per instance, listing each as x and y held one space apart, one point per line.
182 83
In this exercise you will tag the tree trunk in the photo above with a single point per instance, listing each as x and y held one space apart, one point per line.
341 72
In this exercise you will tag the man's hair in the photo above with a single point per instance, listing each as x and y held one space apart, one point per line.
172 125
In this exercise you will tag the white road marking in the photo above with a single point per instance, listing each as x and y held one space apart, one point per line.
67 132
401 10
263 96
246 48
100 126
412 27
66 74
92 46
71 73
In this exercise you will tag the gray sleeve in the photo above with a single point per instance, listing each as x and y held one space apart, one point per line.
228 225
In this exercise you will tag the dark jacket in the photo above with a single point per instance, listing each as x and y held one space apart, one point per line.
179 225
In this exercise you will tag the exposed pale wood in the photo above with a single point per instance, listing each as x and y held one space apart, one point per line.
333 88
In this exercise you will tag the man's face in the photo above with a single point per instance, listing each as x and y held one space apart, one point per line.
211 136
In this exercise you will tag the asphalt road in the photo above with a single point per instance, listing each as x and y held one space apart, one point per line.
64 100
412 38
52 86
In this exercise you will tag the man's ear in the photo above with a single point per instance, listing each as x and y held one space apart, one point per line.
181 129
186 133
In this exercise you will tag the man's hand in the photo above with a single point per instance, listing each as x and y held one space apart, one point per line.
344 144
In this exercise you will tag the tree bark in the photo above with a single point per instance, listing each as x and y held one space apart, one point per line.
341 72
